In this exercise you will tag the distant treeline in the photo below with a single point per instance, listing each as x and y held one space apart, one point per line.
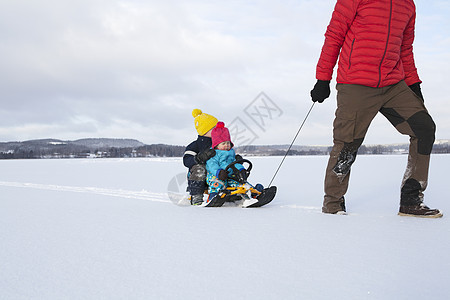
387 149
441 148
325 150
99 148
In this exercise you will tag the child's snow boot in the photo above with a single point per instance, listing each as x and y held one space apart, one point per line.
215 200
248 201
259 187
197 199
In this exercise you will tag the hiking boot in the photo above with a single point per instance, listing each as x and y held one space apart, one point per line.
339 209
420 210
197 199
343 210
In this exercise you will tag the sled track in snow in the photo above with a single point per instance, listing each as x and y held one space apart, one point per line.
141 195
174 198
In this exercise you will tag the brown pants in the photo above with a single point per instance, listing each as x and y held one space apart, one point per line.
357 105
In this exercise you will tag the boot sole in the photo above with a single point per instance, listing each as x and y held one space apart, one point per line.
439 215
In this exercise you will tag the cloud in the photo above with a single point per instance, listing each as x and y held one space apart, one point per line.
137 68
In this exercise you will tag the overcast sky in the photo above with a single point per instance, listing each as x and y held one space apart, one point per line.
137 68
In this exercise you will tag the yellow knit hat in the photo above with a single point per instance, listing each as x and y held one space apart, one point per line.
203 122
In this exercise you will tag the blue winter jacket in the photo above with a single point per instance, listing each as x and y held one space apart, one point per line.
220 161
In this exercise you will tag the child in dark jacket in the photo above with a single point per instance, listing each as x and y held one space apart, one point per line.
197 153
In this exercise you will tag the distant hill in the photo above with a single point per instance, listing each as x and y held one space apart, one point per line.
92 143
89 147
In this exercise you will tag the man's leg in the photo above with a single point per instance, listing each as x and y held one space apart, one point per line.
408 114
357 106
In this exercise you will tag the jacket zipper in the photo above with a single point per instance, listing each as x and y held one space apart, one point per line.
385 49
350 55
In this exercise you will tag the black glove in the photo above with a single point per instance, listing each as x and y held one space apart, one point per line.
321 91
243 175
416 89
238 157
223 175
203 156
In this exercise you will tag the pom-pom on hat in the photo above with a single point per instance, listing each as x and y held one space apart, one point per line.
220 134
203 122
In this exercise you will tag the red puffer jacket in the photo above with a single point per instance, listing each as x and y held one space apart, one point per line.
374 38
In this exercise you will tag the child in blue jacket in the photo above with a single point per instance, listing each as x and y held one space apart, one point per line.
217 177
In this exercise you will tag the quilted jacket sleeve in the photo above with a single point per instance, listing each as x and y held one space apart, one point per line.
343 15
407 56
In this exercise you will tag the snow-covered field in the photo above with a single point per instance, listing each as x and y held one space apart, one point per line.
106 229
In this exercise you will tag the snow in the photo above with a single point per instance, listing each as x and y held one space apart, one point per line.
107 229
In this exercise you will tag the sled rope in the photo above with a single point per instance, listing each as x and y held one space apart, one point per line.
290 146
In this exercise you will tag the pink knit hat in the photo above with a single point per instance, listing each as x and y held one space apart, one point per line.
220 134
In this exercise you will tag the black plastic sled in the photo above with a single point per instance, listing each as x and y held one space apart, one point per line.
245 192
264 197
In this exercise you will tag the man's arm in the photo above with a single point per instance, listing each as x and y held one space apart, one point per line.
343 15
407 56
